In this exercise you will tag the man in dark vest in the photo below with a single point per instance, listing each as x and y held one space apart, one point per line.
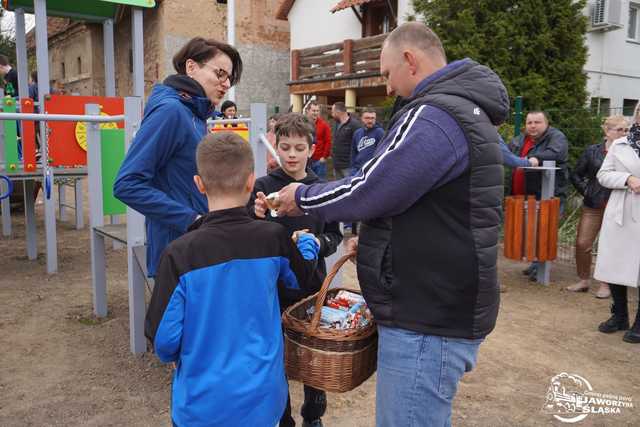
430 202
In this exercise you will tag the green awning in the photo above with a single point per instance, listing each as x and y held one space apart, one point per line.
91 10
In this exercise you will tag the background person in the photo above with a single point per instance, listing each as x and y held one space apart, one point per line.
156 176
594 201
365 140
229 109
322 140
342 138
618 261
544 143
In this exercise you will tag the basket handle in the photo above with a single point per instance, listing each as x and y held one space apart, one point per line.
322 294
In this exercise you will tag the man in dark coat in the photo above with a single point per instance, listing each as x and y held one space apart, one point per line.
430 202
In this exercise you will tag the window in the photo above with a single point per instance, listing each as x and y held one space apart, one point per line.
632 28
628 106
79 65
63 72
601 106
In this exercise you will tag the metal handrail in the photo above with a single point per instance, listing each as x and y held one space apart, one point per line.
61 117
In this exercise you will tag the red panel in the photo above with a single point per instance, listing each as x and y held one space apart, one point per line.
28 137
64 149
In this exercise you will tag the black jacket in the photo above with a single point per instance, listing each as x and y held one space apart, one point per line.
552 145
328 233
584 178
342 139
433 268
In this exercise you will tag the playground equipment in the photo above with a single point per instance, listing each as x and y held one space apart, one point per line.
88 10
531 227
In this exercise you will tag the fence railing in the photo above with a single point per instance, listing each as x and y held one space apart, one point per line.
338 60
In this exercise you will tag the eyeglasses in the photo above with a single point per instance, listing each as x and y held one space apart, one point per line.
625 130
221 74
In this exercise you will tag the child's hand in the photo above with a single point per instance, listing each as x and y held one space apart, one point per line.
260 206
297 234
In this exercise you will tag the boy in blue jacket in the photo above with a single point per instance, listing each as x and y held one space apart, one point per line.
214 309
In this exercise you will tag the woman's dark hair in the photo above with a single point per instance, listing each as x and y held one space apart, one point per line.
228 104
201 50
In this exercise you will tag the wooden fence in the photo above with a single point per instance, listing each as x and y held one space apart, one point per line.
338 60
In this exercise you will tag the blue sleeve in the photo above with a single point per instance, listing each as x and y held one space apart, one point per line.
153 147
510 159
169 335
299 264
425 149
354 147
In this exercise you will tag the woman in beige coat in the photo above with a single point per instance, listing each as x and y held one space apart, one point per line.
618 260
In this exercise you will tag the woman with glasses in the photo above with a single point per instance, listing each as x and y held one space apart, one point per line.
595 198
618 260
156 177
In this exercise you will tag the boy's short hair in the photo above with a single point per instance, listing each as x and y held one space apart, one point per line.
224 162
292 125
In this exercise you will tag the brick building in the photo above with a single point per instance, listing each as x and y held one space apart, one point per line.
76 48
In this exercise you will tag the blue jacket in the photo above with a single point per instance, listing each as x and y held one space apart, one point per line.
156 176
364 145
512 160
214 311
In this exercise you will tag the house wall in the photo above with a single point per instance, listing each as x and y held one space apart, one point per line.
263 43
67 48
613 65
312 24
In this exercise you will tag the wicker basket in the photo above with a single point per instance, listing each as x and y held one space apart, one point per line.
328 359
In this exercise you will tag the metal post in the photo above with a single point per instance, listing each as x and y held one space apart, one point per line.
137 45
231 38
547 192
21 54
30 218
62 201
79 202
96 217
517 124
110 86
42 57
109 58
258 126
5 204
6 210
135 238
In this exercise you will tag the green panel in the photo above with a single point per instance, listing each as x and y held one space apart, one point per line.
10 137
112 155
81 9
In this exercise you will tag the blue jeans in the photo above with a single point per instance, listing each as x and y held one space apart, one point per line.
418 376
319 168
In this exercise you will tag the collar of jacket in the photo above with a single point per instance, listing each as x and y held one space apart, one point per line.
281 175
221 216
191 94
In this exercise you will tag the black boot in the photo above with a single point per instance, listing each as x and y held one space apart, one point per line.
620 319
614 324
633 335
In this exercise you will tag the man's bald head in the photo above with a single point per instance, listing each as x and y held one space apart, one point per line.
411 53
418 36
